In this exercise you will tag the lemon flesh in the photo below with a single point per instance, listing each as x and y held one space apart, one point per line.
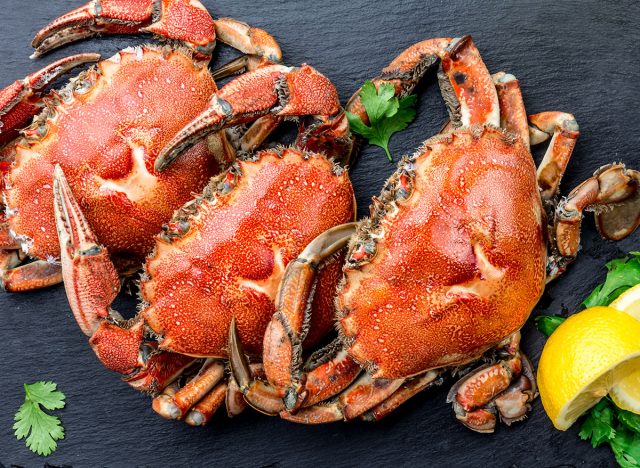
583 359
626 393
629 302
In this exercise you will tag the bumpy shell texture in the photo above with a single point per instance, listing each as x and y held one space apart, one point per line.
452 260
105 130
223 255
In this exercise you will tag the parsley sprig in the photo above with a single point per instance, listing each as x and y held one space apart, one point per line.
605 422
387 114
41 429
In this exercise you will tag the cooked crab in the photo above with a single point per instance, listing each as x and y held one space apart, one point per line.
448 266
106 128
222 255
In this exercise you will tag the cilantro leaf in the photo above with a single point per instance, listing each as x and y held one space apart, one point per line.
623 273
547 324
387 114
629 419
626 448
41 430
598 426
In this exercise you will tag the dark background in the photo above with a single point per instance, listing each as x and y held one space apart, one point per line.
575 56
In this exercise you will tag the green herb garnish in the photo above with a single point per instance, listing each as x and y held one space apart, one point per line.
41 429
387 114
605 422
623 274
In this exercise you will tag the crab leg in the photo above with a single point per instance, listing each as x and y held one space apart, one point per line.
409 389
282 355
91 283
363 395
405 71
465 83
509 381
513 115
19 102
186 21
179 403
614 193
563 130
467 86
182 20
249 40
206 408
331 371
34 275
276 89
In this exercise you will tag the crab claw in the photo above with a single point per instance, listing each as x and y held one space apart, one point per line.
19 102
90 279
186 21
275 89
258 394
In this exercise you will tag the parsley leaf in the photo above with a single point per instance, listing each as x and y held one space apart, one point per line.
599 424
547 324
630 420
41 429
623 273
387 114
626 448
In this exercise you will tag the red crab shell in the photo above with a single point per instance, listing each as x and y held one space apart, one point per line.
105 131
240 235
456 269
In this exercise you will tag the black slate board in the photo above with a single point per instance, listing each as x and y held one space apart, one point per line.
576 56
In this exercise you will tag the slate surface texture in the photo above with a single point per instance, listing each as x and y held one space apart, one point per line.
575 56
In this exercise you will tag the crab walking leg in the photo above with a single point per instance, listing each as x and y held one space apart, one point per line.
20 101
35 275
614 193
91 283
186 21
563 130
363 395
404 72
408 389
513 115
275 89
247 39
260 395
282 355
206 408
178 404
258 132
474 395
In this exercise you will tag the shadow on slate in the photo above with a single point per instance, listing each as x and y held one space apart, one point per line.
575 56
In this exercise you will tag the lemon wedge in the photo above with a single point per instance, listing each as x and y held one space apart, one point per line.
629 302
583 359
626 393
